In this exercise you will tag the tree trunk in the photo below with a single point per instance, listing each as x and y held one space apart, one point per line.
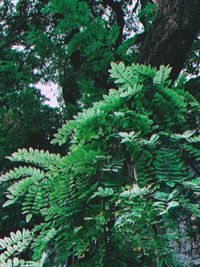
172 34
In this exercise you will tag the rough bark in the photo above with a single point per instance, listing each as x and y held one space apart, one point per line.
172 34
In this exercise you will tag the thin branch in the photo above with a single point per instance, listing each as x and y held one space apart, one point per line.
119 13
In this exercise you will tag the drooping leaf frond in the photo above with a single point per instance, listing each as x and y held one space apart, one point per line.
132 165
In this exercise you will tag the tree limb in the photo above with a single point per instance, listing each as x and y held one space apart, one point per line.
172 34
119 13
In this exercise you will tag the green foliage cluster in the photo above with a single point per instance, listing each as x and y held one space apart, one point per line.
71 43
80 46
25 119
131 170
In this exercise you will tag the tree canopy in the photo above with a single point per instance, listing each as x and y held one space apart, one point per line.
73 42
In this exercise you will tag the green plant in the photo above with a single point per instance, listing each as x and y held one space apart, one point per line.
25 120
131 169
